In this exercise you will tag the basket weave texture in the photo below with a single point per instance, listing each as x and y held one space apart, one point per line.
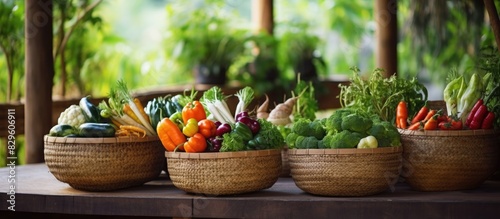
224 173
345 172
449 160
104 164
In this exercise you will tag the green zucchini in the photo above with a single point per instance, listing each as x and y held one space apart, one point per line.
63 130
92 129
91 112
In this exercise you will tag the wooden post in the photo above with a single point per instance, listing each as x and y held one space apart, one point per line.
494 21
39 67
387 36
262 15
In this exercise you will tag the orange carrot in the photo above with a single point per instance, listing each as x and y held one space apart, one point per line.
402 114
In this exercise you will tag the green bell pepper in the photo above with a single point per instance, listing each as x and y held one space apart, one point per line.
243 131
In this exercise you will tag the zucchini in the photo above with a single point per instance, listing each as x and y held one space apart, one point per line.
91 112
63 130
93 129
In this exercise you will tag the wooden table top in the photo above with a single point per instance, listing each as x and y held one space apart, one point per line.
38 191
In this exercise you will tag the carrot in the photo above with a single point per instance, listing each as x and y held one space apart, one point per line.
415 126
422 113
402 114
134 129
431 124
430 115
170 135
139 105
127 110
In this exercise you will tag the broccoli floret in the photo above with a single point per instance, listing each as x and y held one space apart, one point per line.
301 127
386 134
333 124
316 129
232 141
306 127
306 142
290 139
356 123
343 139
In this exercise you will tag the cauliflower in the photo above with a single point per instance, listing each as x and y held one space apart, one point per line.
73 115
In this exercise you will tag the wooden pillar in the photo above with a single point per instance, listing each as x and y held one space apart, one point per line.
262 15
39 67
387 36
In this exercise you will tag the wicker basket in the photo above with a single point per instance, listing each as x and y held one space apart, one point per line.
449 160
104 164
345 172
224 173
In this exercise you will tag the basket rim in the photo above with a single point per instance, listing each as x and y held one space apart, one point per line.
106 140
476 132
215 155
382 150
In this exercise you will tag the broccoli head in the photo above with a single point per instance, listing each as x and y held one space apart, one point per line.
356 123
386 134
343 139
306 127
333 123
306 142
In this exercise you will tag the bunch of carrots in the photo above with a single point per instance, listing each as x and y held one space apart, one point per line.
426 119
127 113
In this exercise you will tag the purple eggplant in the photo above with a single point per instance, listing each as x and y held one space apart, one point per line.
216 144
251 123
224 128
241 114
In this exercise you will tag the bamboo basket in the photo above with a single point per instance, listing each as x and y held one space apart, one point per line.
449 160
345 172
224 173
104 164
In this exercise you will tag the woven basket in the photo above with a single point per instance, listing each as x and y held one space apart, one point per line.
104 164
285 164
449 160
224 173
345 172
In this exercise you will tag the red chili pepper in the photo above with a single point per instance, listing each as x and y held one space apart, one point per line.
479 116
488 121
476 106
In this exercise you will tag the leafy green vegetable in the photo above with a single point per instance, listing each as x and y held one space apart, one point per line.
232 141
307 105
268 137
380 96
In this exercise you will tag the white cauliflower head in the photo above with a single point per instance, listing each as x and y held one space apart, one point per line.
73 115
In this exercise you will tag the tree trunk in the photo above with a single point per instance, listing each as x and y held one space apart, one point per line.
39 66
387 36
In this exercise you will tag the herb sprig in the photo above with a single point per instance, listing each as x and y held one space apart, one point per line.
380 95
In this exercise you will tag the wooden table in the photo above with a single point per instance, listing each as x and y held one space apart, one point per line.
37 193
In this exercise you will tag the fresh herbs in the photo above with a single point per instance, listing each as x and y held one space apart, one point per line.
380 95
